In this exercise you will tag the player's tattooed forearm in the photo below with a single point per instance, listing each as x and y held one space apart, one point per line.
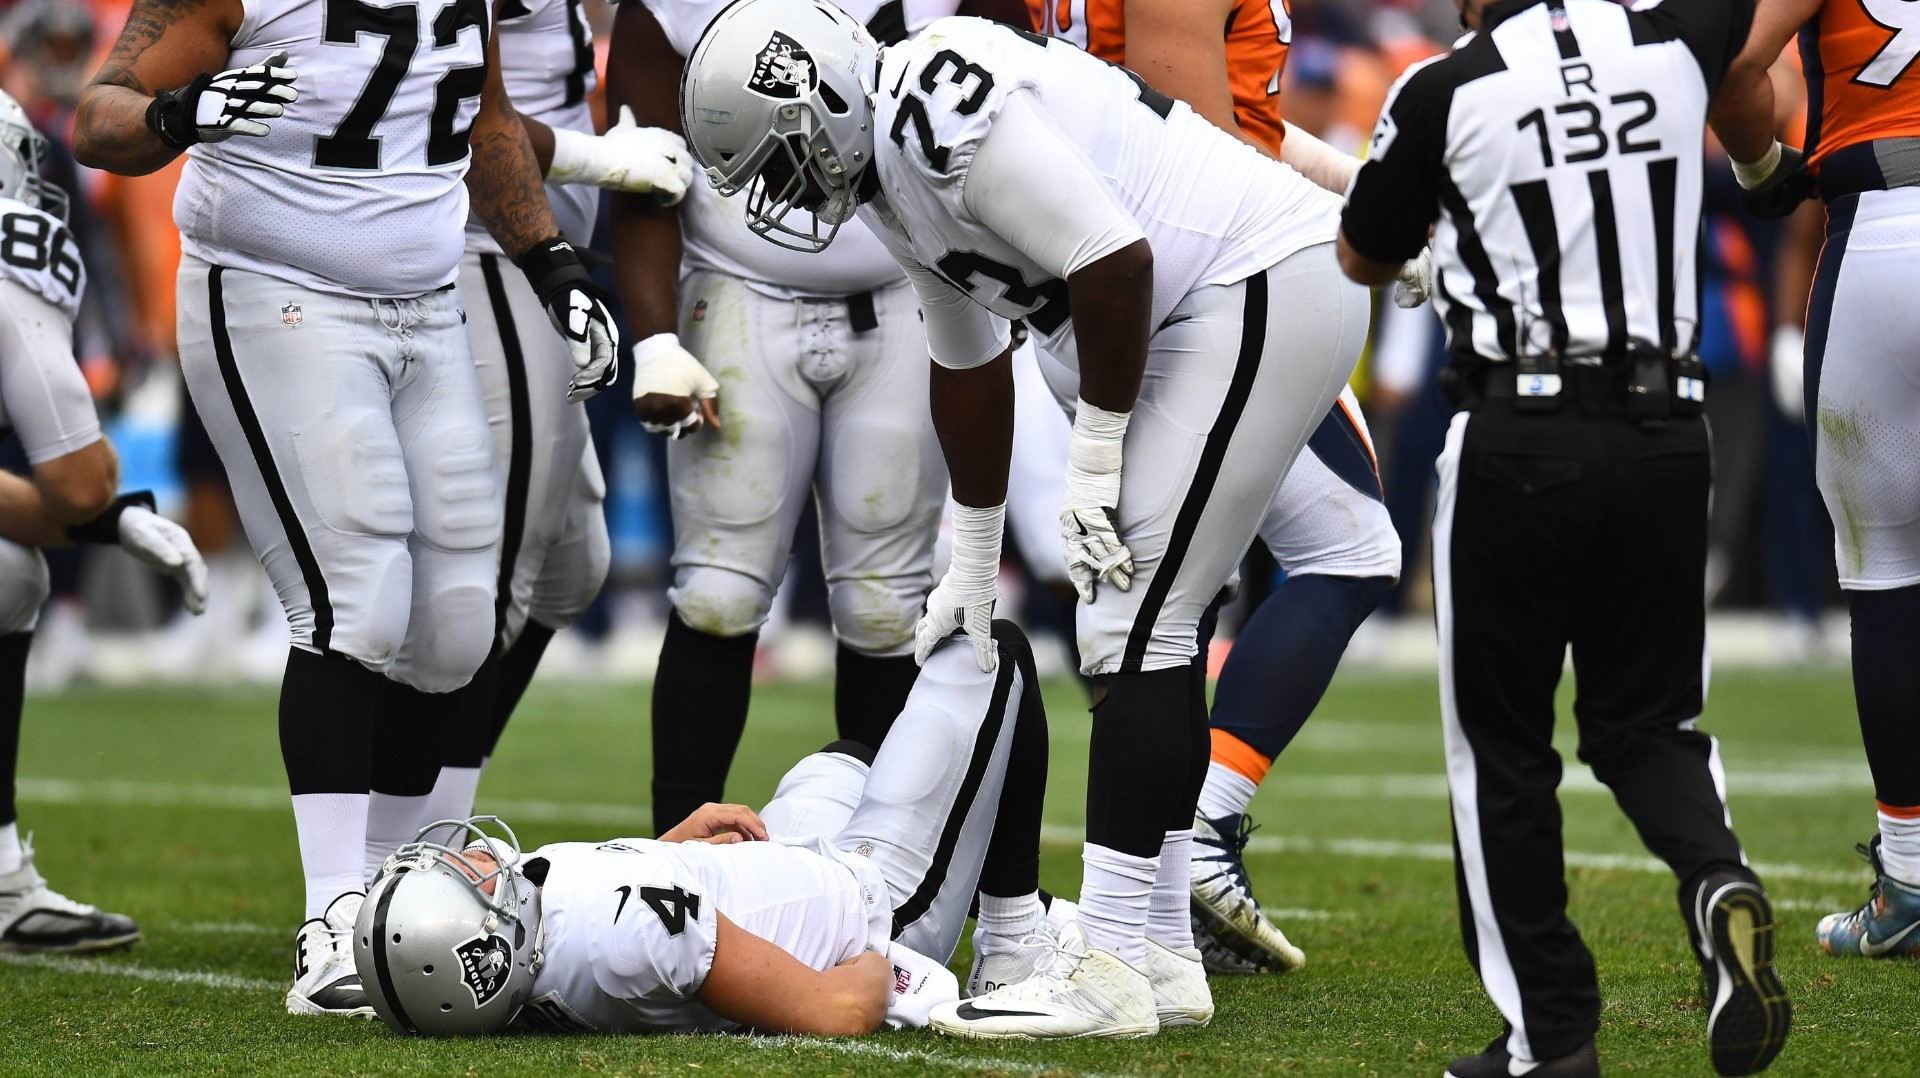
507 188
146 24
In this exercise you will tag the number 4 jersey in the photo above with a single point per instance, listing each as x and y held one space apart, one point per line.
1214 210
631 924
358 188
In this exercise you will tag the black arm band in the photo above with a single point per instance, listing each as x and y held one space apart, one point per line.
168 116
105 528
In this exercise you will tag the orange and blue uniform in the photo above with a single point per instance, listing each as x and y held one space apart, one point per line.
1862 90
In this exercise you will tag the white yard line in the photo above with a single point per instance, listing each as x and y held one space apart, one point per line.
94 966
906 1055
166 795
227 928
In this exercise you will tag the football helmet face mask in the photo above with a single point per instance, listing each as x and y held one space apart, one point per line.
776 102
22 149
447 944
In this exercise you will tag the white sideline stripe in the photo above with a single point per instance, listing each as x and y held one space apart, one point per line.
94 966
1285 914
226 928
167 794
905 1055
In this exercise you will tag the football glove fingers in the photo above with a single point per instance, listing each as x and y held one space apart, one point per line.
646 160
165 547
214 108
949 612
1414 283
579 312
1094 551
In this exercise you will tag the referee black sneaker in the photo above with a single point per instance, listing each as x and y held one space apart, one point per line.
1497 1062
1748 1013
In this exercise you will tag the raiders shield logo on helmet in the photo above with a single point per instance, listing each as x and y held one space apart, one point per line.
783 70
485 962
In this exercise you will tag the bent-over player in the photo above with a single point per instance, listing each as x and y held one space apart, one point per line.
842 919
70 499
1190 282
322 338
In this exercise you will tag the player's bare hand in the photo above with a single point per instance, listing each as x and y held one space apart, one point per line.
672 393
719 824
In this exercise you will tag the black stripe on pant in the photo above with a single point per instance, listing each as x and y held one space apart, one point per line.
1555 531
520 448
296 532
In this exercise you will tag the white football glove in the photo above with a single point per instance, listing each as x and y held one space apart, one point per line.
661 366
1414 283
630 158
964 598
214 108
1787 363
1092 543
578 310
165 547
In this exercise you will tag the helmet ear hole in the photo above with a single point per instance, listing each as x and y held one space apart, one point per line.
428 970
446 1006
835 103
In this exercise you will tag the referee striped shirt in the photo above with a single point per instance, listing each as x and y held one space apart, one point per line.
1557 155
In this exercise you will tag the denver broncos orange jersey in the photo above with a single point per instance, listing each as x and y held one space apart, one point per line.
1258 32
1859 58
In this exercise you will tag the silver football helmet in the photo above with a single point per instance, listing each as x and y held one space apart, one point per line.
447 946
776 101
22 149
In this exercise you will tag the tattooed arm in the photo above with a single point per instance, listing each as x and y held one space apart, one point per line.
505 181
164 45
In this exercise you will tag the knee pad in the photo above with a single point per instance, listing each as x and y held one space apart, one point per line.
817 797
721 602
573 573
370 600
876 617
23 587
442 654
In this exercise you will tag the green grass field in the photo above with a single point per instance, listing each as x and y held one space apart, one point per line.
170 806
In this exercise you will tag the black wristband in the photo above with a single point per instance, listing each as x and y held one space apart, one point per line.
168 117
105 528
551 265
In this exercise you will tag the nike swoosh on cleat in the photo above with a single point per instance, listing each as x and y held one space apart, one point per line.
1874 950
971 1013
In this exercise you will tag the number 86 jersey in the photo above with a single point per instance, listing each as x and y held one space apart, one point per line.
358 188
39 254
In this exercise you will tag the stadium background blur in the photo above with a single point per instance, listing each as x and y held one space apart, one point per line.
1770 568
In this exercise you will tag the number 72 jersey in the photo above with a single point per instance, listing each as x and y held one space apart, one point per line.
358 188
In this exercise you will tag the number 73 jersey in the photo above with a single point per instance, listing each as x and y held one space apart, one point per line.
358 188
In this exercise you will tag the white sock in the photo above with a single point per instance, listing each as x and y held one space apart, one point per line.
1900 848
453 794
9 848
1169 916
333 840
1113 902
1227 792
1005 921
391 820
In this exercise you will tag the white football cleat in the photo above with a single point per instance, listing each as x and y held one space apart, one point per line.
1075 993
1226 917
1181 996
996 971
35 918
324 978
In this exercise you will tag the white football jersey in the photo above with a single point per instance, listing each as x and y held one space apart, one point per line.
38 253
715 229
358 188
546 61
1214 210
630 924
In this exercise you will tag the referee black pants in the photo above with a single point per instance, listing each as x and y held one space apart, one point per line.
1549 531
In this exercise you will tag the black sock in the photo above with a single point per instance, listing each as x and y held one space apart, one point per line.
701 692
1012 865
467 737
1886 687
405 759
13 692
1137 759
329 705
869 693
514 672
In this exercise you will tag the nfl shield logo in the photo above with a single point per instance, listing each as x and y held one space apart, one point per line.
290 314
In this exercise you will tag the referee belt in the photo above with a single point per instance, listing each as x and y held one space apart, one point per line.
1648 388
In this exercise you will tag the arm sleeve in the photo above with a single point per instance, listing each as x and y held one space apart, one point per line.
1714 30
960 333
46 397
1396 195
1034 189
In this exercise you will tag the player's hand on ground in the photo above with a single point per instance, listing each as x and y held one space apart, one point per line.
214 108
1089 528
165 547
672 393
629 158
579 311
719 825
1414 283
